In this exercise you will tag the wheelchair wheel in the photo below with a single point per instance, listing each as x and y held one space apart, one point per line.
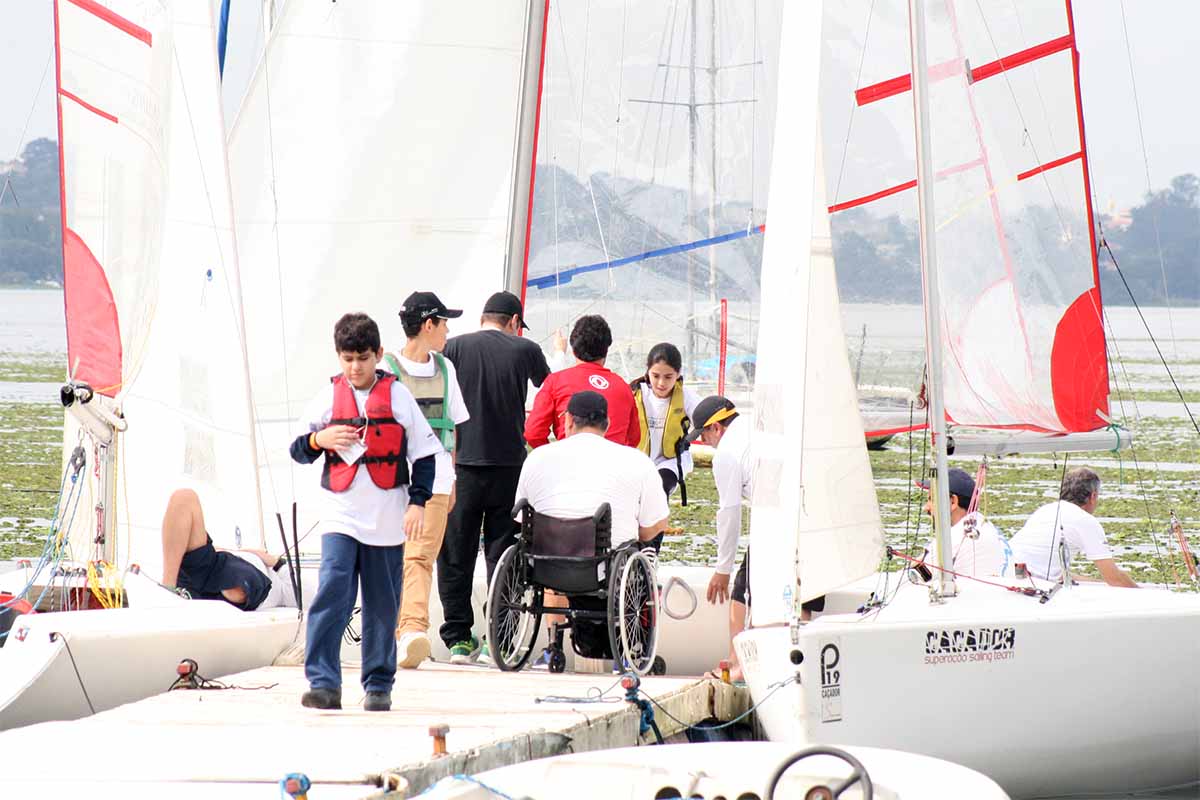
633 612
512 626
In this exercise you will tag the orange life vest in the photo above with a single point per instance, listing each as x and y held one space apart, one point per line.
387 448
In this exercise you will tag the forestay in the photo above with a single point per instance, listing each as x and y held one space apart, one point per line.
1022 320
373 155
152 298
815 521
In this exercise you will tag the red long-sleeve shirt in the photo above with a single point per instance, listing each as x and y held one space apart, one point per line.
551 403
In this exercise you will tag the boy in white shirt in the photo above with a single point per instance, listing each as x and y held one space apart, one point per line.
431 378
372 436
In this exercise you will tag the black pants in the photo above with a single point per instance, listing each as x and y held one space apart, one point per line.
484 499
741 585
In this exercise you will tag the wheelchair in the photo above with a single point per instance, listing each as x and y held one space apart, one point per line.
612 594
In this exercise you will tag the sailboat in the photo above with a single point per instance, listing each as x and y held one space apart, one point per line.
1059 689
157 397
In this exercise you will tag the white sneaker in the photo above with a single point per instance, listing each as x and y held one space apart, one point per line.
411 650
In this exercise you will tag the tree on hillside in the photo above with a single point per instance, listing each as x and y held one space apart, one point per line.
30 230
1170 217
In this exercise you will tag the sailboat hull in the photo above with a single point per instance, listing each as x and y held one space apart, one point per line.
64 665
1096 691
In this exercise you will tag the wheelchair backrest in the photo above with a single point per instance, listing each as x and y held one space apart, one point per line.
580 538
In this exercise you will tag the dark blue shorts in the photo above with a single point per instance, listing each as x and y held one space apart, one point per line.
206 572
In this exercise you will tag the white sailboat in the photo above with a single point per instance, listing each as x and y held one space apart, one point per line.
1088 689
158 397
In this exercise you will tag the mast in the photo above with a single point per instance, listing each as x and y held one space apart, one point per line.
939 486
690 356
529 109
713 73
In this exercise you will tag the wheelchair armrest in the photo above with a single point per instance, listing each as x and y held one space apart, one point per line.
519 509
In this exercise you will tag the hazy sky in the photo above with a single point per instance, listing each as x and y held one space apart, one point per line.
1162 36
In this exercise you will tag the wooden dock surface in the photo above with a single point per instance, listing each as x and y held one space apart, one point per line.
240 742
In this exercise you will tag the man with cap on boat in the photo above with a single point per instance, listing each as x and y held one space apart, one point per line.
977 545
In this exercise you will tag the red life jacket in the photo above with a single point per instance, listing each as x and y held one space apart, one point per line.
387 448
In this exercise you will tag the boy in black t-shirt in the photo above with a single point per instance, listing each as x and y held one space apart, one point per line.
495 366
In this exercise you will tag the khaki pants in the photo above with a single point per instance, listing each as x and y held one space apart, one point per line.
419 558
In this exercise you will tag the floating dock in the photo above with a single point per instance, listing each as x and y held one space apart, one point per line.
240 742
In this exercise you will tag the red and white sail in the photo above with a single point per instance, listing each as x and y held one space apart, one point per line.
1023 333
153 306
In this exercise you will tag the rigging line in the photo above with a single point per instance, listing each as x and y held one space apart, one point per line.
662 107
1146 325
75 667
1054 532
1045 179
753 109
850 123
1037 84
266 61
1137 412
1137 107
33 106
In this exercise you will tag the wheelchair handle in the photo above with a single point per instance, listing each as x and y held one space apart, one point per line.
674 581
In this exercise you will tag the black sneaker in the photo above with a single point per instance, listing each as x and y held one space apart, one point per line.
328 699
378 701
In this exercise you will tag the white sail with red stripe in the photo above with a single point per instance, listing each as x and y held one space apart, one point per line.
1022 323
151 285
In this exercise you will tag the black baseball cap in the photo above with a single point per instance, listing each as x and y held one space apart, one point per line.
588 405
711 409
960 482
424 305
506 303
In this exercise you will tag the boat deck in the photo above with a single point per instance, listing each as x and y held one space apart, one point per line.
240 742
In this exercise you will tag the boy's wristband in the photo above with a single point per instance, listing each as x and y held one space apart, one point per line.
312 442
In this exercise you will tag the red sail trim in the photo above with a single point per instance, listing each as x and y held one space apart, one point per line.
97 111
895 431
1058 162
537 124
858 201
1087 172
1042 50
903 83
114 19
93 330
901 187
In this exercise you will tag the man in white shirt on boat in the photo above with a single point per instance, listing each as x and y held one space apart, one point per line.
1068 520
977 545
249 579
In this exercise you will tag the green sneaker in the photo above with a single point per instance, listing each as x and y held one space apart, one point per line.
462 652
485 654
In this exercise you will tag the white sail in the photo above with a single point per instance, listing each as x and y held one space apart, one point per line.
815 521
373 156
151 276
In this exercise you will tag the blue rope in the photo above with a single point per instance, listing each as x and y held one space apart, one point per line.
774 688
565 276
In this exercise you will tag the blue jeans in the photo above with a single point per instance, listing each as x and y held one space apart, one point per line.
345 562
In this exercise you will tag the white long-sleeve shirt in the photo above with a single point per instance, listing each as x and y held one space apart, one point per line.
733 473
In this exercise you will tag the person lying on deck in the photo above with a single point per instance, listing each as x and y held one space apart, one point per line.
249 579
1068 520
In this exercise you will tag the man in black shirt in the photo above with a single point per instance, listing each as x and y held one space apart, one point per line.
494 367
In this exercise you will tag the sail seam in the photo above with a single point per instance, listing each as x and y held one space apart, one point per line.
1049 165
